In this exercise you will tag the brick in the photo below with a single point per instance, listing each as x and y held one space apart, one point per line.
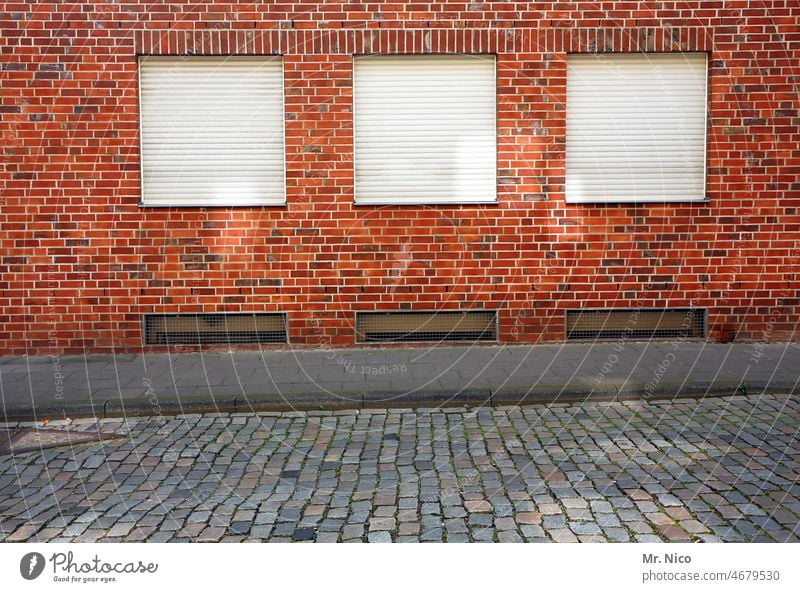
86 251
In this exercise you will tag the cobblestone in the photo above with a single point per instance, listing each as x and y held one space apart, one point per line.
722 469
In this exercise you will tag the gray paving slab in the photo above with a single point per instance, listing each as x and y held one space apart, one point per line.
393 376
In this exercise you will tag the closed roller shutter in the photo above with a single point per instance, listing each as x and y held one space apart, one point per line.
424 129
636 127
212 131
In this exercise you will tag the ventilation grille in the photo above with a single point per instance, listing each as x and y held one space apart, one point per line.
426 326
636 323
203 329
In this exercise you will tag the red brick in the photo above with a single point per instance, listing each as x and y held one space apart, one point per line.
81 261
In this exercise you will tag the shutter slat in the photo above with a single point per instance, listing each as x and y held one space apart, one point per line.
424 129
636 127
212 131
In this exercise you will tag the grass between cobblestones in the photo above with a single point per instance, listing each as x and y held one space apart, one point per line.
721 469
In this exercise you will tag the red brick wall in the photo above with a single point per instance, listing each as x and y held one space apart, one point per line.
80 262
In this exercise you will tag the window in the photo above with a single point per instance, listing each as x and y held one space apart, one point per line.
636 127
212 131
425 129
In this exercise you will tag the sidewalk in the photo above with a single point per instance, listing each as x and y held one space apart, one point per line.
102 386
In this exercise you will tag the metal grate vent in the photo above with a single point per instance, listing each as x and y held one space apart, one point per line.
636 323
222 328
426 326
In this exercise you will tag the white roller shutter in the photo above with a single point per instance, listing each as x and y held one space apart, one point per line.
212 131
425 129
636 127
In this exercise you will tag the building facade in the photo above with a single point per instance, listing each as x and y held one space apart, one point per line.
525 167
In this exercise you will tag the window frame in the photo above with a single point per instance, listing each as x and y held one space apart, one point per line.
494 200
644 200
200 202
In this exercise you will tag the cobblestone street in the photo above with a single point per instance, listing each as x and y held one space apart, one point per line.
720 469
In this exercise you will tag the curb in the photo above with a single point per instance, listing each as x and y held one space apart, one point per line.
544 395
